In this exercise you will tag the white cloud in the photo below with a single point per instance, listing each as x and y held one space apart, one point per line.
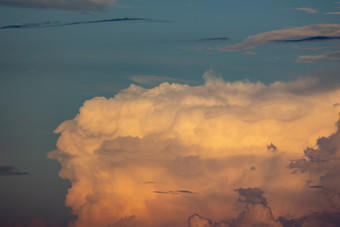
154 157
304 33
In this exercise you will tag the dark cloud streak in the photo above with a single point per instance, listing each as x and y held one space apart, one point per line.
313 38
11 171
49 24
214 39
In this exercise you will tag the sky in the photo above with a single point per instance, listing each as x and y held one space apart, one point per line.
169 113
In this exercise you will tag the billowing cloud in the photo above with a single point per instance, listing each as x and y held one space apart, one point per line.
80 5
158 156
308 10
11 171
334 55
296 34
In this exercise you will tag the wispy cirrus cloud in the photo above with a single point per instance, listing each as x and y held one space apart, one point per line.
49 24
315 32
334 55
77 5
11 171
307 10
332 13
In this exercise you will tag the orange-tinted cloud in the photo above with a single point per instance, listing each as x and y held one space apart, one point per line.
155 157
316 32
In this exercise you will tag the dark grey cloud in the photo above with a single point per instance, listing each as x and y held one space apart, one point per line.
315 186
11 171
271 147
214 39
312 38
50 24
317 219
251 196
255 212
322 158
174 192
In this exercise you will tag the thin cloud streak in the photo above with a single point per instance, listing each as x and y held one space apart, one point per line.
308 10
317 32
49 24
332 13
214 39
334 55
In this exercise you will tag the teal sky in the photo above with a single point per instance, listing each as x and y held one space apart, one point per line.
49 66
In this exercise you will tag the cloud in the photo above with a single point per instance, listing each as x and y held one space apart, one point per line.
332 13
151 79
250 53
79 5
255 212
334 55
296 34
11 171
209 140
271 147
59 24
308 10
214 39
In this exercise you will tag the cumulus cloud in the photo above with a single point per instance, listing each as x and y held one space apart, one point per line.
308 10
11 171
154 157
334 55
296 34
80 5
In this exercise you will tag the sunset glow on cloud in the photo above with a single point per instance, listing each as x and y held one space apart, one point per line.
219 154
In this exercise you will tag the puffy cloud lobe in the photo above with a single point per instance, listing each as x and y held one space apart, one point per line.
154 157
296 34
81 5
